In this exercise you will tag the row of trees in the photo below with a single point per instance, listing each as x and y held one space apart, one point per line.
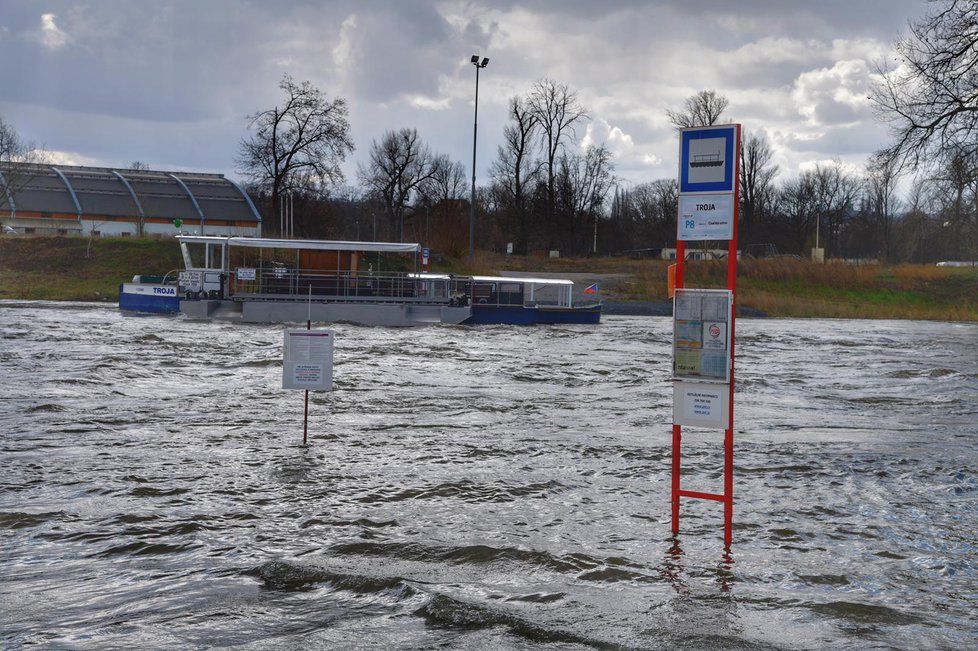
544 190
916 199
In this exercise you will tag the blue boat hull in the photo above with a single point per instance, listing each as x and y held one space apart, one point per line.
518 315
131 301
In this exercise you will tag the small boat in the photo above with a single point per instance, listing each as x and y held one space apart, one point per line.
264 280
524 301
151 294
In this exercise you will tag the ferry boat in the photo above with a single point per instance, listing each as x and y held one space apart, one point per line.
151 294
266 280
525 301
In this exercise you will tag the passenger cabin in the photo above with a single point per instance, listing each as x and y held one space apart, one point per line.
239 267
511 291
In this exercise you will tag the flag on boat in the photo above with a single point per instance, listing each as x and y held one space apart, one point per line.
591 289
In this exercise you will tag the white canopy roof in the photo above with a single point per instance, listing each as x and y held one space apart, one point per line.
316 245
520 279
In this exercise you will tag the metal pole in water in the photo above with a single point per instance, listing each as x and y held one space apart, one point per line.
305 421
305 416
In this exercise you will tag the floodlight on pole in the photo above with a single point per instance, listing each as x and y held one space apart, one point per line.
475 132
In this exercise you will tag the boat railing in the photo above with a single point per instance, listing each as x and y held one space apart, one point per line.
283 282
512 293
167 276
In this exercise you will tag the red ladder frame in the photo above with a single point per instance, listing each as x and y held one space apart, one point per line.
727 497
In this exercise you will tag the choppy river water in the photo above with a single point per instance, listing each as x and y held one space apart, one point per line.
480 487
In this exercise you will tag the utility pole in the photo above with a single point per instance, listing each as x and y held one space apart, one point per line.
475 132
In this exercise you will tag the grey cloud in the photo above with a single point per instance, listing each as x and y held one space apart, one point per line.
177 78
841 141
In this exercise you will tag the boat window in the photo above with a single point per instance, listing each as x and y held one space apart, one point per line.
481 292
510 294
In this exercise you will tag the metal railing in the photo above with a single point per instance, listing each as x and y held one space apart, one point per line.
483 293
299 283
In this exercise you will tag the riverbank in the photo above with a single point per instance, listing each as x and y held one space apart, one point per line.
65 268
780 287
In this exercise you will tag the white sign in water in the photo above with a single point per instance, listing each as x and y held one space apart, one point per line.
701 404
308 360
706 217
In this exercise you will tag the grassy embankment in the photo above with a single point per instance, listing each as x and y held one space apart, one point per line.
784 286
58 269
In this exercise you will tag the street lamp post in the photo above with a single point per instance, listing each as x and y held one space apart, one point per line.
475 132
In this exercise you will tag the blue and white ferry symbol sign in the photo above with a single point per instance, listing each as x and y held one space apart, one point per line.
707 159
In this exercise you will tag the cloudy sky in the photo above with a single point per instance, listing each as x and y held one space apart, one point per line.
170 83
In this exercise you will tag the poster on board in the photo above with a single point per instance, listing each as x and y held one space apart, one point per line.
701 404
308 360
701 334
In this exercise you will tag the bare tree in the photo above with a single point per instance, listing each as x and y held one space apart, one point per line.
798 210
931 98
516 169
645 215
834 190
913 226
298 145
447 180
557 111
19 161
138 166
700 110
11 146
756 182
583 185
399 164
882 175
956 186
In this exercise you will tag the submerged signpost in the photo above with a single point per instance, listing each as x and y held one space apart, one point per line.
703 319
308 364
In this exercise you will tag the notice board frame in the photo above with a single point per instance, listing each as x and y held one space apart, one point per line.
678 492
726 293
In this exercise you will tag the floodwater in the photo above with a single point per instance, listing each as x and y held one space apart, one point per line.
491 487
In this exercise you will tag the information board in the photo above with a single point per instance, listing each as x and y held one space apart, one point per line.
707 159
705 217
701 404
308 360
701 334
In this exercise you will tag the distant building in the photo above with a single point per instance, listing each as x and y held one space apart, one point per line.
73 200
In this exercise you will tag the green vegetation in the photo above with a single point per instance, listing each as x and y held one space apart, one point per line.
781 286
64 268
57 268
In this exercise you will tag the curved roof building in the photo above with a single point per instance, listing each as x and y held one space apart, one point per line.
114 201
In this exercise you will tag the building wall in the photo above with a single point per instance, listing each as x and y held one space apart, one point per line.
66 224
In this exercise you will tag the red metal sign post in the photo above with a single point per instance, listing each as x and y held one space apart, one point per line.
727 497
